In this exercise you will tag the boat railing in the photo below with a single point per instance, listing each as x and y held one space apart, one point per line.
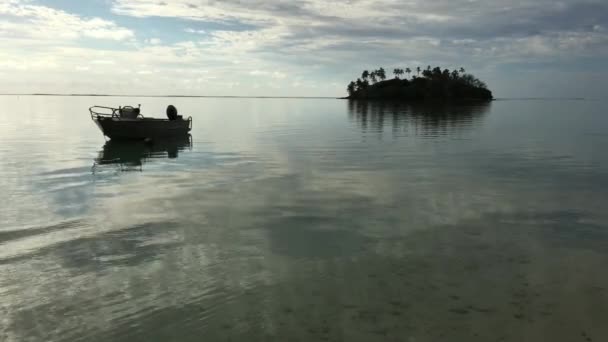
107 112
111 112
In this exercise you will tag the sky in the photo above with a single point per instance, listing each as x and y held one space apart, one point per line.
520 48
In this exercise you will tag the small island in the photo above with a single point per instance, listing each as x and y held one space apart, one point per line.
428 84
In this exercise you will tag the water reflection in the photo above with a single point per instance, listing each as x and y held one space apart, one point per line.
424 119
296 223
131 155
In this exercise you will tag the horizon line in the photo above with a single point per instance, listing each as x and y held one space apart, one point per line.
264 96
169 95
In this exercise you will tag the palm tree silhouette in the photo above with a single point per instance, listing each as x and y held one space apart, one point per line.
435 82
359 84
397 72
437 72
365 74
351 88
373 76
381 74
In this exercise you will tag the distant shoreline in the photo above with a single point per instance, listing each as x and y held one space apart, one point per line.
287 97
186 96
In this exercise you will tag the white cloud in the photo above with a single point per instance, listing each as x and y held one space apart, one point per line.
296 43
191 30
278 75
463 41
544 47
275 12
217 11
272 74
102 61
320 32
23 20
153 41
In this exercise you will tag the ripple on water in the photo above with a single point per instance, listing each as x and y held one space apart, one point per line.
307 220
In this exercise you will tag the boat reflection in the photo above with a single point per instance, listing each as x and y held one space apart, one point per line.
132 155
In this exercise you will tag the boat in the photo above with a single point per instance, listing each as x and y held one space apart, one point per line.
127 123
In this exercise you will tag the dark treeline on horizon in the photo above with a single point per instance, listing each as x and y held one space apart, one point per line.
428 84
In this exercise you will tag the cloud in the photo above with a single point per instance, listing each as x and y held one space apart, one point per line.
313 41
154 41
191 30
273 74
257 12
22 20
334 29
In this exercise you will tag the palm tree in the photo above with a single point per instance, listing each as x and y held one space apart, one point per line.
359 84
437 72
365 74
446 74
408 71
351 88
381 74
418 70
398 72
373 76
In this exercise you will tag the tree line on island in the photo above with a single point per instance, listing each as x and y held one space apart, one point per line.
428 84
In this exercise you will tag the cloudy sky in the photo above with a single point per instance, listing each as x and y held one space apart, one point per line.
521 48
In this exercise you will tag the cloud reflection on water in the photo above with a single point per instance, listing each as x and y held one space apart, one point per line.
305 216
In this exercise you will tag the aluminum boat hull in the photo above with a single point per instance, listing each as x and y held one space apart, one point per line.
142 128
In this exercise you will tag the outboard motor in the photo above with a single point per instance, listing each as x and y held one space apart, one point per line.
171 112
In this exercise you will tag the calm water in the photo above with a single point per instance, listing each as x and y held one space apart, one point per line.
306 220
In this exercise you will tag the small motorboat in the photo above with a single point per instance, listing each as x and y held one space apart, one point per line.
127 123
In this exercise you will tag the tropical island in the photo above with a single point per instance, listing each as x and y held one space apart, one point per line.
428 84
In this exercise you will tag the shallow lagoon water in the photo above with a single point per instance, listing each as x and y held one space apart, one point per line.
305 220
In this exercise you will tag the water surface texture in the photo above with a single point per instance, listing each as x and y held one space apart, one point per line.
305 220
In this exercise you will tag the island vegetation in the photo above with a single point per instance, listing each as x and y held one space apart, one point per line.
428 84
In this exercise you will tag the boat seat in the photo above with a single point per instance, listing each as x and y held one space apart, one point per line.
128 112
